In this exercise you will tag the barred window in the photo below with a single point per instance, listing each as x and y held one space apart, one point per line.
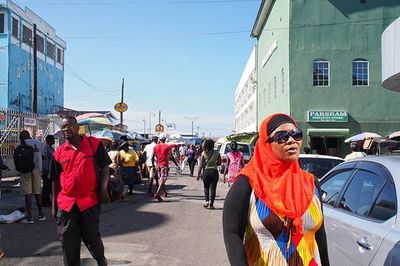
40 43
50 50
321 73
360 72
15 28
60 56
2 25
26 35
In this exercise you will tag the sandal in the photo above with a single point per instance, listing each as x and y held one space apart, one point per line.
206 205
2 254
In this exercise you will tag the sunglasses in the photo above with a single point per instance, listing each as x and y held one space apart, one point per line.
281 137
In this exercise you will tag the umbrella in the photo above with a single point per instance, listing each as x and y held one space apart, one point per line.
395 135
88 115
108 133
96 121
363 136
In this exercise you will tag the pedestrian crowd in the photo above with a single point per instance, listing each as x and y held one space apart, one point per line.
272 205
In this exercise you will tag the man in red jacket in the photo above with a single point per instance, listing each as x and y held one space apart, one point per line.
77 191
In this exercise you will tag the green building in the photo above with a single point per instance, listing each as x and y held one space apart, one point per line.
320 62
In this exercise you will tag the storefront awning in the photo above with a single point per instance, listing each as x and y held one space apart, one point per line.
328 132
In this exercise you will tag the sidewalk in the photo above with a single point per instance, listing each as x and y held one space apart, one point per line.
11 198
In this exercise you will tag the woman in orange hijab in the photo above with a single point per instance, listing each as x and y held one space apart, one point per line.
273 212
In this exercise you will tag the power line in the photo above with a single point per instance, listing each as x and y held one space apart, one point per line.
148 2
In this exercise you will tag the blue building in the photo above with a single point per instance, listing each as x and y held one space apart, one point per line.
16 61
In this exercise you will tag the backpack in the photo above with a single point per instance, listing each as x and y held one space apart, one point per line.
23 158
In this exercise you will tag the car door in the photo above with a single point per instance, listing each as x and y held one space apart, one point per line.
353 234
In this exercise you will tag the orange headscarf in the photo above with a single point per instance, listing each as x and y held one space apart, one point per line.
283 186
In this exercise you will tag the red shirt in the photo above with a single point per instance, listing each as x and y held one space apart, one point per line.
75 169
162 152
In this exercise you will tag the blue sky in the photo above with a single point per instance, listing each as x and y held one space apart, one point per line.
182 57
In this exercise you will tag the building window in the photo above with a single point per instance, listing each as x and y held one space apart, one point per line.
2 25
60 56
50 50
40 43
360 72
26 35
321 73
15 28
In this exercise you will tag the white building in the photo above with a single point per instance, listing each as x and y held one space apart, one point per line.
391 56
245 98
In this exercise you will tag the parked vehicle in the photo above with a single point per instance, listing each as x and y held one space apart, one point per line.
360 199
245 148
317 164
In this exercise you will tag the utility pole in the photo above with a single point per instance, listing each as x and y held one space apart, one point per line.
34 89
192 120
122 100
159 117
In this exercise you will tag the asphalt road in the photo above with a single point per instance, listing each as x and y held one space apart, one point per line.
141 231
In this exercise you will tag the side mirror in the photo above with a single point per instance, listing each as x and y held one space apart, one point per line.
324 195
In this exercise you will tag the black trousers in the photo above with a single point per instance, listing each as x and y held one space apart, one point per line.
46 191
75 226
191 163
210 181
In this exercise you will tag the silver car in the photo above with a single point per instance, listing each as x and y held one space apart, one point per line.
360 208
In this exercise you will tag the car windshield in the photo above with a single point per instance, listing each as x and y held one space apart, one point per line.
318 166
244 148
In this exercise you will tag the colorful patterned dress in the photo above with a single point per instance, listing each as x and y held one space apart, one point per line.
268 241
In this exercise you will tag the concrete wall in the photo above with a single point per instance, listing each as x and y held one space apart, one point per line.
272 61
341 31
16 77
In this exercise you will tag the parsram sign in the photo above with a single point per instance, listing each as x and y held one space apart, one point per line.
327 116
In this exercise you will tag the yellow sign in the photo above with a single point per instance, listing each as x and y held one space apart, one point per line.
159 128
121 107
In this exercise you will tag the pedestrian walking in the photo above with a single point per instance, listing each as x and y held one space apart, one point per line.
80 177
273 212
28 160
356 152
234 163
163 153
47 159
190 155
115 172
129 160
152 170
208 171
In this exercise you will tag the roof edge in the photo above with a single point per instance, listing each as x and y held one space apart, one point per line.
263 11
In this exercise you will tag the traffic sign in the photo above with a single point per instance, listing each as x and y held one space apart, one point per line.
121 107
159 128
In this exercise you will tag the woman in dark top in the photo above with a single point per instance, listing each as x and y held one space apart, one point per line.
273 212
209 160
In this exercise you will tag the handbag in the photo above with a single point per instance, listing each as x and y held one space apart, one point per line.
204 166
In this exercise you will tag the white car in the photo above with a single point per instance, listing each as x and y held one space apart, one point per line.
245 148
360 200
317 164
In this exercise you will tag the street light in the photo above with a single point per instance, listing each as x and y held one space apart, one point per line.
144 126
192 120
150 121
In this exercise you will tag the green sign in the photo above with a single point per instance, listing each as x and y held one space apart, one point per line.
327 116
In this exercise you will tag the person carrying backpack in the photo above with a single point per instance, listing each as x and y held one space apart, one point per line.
28 158
234 163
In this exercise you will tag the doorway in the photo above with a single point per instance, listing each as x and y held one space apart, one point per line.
326 145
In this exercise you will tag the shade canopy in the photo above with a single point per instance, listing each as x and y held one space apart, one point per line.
363 136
